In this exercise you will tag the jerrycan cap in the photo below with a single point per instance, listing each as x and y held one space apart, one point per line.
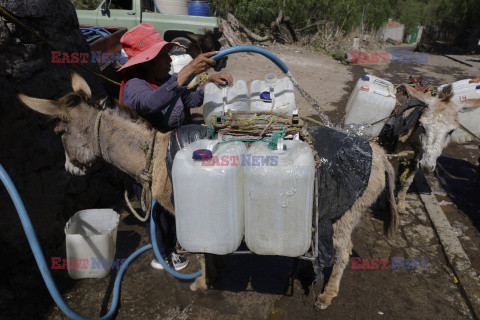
365 78
477 87
265 95
202 154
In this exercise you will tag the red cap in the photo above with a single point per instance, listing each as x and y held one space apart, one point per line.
142 44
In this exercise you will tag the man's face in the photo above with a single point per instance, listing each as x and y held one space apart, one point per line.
160 65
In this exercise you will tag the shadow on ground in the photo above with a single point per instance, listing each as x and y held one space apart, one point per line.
459 179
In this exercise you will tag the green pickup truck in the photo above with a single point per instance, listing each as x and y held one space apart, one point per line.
130 13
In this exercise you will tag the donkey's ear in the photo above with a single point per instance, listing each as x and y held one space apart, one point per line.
79 84
217 34
467 105
48 107
423 97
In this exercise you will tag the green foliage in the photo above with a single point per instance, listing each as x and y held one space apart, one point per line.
86 4
343 13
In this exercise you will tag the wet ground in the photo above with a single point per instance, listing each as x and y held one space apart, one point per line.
253 287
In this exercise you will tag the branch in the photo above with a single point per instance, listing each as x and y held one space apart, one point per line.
311 26
237 25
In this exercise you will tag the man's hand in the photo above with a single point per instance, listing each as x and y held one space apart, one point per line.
222 78
198 65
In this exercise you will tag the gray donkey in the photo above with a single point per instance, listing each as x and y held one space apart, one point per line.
120 135
431 134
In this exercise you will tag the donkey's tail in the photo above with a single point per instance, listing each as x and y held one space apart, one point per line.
391 220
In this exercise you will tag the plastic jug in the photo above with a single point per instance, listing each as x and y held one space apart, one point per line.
372 99
277 95
218 99
279 198
209 196
91 237
178 62
464 90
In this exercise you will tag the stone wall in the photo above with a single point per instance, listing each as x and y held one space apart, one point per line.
29 150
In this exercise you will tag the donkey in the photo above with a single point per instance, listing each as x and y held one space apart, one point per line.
431 134
119 138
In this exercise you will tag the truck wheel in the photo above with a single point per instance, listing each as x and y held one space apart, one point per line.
183 41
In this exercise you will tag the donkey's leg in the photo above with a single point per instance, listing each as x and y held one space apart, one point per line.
402 194
200 282
342 244
344 226
211 267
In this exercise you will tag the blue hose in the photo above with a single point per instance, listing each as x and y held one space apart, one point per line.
159 257
45 271
259 50
156 7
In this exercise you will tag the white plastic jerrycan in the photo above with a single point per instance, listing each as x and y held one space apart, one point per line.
279 198
372 99
178 62
465 90
208 190
273 94
219 99
91 237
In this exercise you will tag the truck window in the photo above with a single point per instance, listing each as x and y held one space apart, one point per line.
119 4
147 6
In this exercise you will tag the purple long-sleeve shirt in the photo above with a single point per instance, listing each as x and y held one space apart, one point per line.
155 105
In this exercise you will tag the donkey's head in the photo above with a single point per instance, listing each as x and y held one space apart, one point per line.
210 41
437 122
77 113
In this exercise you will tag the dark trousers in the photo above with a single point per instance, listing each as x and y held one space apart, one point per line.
164 226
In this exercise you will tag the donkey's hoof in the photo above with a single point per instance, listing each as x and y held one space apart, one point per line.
198 285
194 286
323 301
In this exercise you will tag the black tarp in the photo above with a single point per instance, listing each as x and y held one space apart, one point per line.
400 124
342 178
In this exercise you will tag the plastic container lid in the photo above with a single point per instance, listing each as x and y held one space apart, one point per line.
265 95
202 154
270 78
477 87
365 78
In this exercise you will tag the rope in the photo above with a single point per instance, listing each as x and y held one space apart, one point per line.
10 17
202 78
470 132
146 177
146 174
96 129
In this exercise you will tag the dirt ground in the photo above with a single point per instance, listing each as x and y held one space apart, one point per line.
253 287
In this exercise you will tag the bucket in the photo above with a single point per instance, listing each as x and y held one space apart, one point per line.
175 7
91 237
199 8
